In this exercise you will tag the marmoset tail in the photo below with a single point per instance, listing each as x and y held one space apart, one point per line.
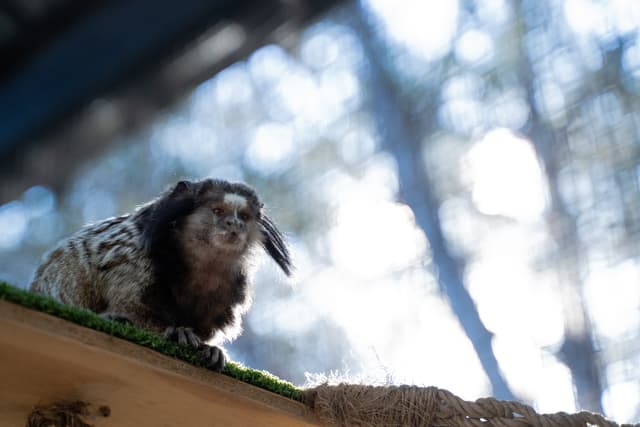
176 265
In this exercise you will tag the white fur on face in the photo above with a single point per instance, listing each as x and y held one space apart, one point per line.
235 200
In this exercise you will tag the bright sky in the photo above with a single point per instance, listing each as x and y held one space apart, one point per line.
505 176
424 27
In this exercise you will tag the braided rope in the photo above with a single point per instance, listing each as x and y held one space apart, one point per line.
349 405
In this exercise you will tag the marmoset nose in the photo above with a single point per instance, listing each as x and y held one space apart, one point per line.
234 223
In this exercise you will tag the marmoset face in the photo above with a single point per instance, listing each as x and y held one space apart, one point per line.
220 219
225 222
234 222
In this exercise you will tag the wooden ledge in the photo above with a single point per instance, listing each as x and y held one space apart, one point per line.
44 359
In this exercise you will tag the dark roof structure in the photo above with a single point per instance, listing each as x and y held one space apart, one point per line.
60 56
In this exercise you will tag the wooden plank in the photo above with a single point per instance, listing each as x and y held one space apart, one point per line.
44 359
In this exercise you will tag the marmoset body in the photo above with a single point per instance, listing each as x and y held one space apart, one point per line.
177 265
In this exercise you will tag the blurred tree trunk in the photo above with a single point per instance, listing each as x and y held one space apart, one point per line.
577 350
399 134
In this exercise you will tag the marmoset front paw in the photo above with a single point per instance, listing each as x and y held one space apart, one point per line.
183 336
213 357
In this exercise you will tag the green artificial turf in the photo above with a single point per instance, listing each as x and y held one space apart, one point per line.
144 338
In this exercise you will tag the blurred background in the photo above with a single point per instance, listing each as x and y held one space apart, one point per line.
459 180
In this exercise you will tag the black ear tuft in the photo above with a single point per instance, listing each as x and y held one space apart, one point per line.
273 243
182 187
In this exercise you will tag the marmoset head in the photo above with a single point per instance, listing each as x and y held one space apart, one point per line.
223 218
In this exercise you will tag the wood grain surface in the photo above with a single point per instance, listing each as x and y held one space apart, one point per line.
44 359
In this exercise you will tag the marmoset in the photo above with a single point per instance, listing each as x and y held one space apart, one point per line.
177 265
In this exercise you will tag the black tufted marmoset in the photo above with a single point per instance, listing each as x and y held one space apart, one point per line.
177 265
